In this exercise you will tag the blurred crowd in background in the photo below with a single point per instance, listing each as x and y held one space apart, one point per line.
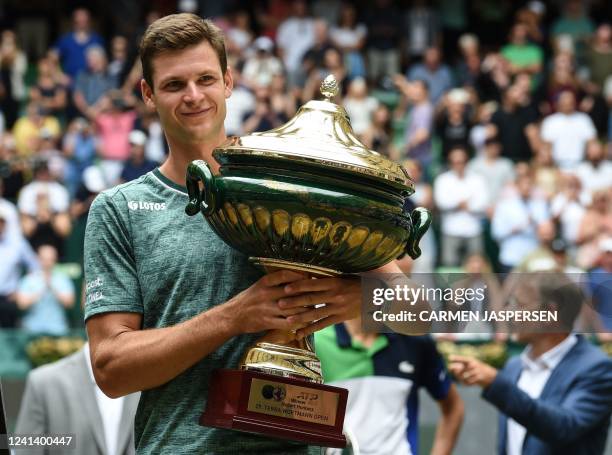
499 110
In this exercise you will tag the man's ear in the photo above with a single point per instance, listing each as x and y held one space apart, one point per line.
147 94
229 82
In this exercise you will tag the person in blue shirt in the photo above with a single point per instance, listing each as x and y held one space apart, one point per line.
383 373
16 253
45 295
71 47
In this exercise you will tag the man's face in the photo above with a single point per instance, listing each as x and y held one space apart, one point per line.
189 93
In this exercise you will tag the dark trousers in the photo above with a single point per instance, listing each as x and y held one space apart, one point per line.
9 314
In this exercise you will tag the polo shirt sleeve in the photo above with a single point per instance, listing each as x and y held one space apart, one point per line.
434 376
111 281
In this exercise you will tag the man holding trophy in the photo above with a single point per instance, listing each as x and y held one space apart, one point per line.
167 301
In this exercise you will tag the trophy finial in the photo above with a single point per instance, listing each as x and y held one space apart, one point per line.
329 87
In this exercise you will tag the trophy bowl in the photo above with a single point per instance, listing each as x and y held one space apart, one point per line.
312 222
305 196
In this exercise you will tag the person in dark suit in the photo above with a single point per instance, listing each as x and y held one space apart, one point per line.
63 397
557 396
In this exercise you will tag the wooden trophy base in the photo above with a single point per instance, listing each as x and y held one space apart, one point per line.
276 406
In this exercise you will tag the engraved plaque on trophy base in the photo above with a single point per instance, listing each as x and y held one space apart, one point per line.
275 406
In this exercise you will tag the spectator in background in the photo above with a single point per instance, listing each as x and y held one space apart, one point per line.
71 48
261 67
156 148
562 78
568 131
118 66
92 184
349 36
422 197
282 100
114 124
556 397
79 149
568 208
43 205
483 129
16 254
263 117
515 124
28 128
595 227
242 100
239 35
546 175
515 222
10 213
453 121
522 55
12 168
137 164
44 296
383 22
359 106
437 74
417 138
541 258
47 91
462 200
595 172
379 135
295 36
576 23
600 56
468 70
496 170
421 26
63 397
384 374
13 66
92 84
313 60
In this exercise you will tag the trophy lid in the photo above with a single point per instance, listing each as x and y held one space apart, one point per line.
320 134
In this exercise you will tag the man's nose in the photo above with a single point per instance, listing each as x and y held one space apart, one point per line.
192 93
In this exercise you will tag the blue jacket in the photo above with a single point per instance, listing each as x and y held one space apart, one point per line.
572 415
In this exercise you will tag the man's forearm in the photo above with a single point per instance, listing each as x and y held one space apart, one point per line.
136 360
446 434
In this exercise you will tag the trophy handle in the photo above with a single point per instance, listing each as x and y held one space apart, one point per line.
200 201
421 219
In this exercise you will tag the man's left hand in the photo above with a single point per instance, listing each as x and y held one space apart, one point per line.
470 371
339 300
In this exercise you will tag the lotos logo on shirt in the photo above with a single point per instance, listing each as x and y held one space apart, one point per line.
141 205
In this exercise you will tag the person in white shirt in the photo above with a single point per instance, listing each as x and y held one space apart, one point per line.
359 106
568 131
557 396
595 173
295 36
498 171
462 199
515 222
261 67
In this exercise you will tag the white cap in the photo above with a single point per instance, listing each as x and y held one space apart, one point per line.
137 137
263 43
93 179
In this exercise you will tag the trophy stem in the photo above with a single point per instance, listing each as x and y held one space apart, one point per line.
279 353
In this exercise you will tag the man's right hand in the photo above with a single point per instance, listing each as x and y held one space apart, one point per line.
256 308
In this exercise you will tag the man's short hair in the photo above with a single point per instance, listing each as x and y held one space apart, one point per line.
558 291
176 32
